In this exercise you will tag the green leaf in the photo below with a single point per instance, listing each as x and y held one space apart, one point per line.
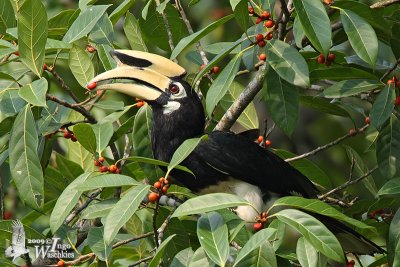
260 238
123 210
278 237
340 73
7 16
106 59
99 209
264 255
158 163
96 243
68 168
319 207
241 13
60 23
388 148
298 32
213 236
86 137
85 23
103 32
35 92
66 202
282 99
383 106
200 259
185 42
391 188
216 48
222 84
11 103
306 253
248 119
350 88
107 180
314 232
160 252
103 133
394 240
81 65
361 35
209 202
121 10
288 63
315 22
182 258
32 34
183 151
133 33
6 125
25 165
323 105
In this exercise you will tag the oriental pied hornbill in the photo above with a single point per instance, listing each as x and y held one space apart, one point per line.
225 162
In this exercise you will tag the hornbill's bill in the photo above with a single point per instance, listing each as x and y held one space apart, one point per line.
225 162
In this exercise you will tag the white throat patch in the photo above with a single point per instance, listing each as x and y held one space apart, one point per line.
171 106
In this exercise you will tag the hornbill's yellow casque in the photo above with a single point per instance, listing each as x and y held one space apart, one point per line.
225 162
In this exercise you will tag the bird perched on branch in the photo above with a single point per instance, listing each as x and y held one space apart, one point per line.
224 162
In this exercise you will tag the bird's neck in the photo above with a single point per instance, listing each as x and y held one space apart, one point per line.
169 131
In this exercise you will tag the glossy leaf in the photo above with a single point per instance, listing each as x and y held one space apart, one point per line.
182 258
7 17
68 168
394 240
361 35
160 252
60 23
107 180
35 92
248 119
209 202
264 255
316 24
81 65
133 33
85 23
298 32
96 243
340 73
282 100
314 231
103 32
32 34
288 63
241 13
350 88
11 103
306 253
103 133
382 107
123 210
388 148
98 209
86 137
24 160
213 236
191 39
391 188
121 10
158 163
258 239
222 84
183 151
66 202
106 59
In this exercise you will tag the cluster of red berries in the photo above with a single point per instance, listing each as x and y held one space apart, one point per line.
214 70
161 186
396 83
367 120
328 60
260 38
90 48
350 263
269 23
260 140
103 168
260 221
69 135
7 215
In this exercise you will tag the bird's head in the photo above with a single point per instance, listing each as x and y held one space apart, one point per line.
150 77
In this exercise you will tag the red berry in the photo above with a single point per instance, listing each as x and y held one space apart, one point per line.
16 53
352 132
265 15
73 138
251 10
166 181
269 36
91 85
263 57
261 43
367 120
352 262
164 189
257 227
331 57
113 168
161 179
215 69
140 104
202 66
269 24
259 37
258 20
118 171
90 49
60 263
7 215
321 59
260 139
397 101
44 66
157 185
103 169
101 159
263 214
267 143
67 135
390 81
97 163
153 197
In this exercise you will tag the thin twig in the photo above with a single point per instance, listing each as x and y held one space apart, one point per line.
167 27
353 164
80 208
335 142
141 261
164 225
348 183
63 84
155 232
390 70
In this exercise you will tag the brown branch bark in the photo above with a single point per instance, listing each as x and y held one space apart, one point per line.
384 3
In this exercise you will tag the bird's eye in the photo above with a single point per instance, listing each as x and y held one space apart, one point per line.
174 89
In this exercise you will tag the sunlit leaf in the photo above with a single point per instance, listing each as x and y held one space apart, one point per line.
35 92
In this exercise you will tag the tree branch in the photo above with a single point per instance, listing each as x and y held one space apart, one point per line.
384 3
80 208
62 83
390 70
167 27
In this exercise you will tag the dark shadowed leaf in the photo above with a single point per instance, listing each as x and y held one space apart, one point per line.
340 73
160 252
7 17
86 137
394 240
383 106
323 105
391 188
388 148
